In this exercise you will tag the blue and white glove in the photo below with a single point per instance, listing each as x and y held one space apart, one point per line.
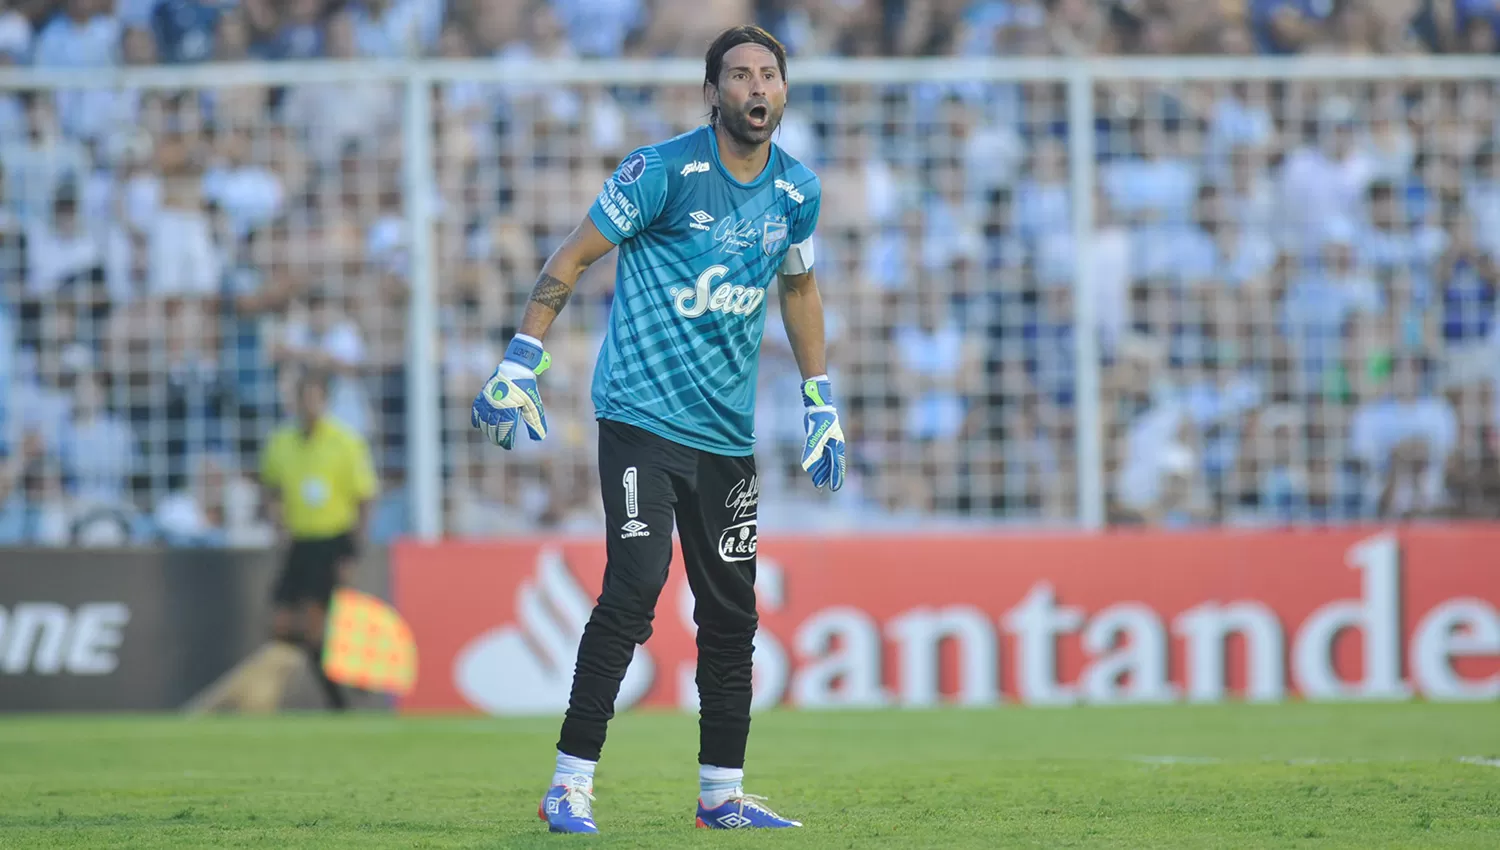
823 452
511 394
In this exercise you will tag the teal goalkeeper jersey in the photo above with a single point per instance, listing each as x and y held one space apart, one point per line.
698 252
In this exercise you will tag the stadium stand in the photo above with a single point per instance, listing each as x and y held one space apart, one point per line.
1294 281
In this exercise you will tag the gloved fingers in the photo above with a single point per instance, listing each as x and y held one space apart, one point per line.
836 466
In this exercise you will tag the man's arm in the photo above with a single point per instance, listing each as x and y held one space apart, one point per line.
583 247
630 200
802 313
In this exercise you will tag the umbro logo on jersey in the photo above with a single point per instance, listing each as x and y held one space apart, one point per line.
696 167
791 190
634 528
701 220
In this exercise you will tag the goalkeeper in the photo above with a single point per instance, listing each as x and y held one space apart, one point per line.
703 222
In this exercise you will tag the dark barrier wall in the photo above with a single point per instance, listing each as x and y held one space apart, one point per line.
124 631
131 630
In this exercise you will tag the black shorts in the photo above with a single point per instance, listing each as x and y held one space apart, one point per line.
650 484
311 570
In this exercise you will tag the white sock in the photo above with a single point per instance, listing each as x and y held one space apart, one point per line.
572 770
719 785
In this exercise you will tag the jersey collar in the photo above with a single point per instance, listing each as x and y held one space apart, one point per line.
760 179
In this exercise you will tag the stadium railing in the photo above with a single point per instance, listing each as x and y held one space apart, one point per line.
390 217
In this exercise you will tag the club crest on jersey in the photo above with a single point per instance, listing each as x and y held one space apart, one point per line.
631 169
774 236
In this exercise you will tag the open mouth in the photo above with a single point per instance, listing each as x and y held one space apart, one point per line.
758 115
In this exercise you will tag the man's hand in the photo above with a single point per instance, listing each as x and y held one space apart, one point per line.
511 394
823 452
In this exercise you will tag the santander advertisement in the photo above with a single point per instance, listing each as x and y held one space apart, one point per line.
982 620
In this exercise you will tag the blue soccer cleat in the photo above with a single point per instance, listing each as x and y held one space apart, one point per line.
569 808
745 811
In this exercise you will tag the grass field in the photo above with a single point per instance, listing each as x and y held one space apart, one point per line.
1409 775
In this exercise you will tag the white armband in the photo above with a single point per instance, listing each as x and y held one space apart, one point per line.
799 258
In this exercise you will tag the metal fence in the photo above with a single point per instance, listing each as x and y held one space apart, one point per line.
1286 269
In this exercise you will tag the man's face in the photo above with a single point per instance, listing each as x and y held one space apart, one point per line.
751 94
311 401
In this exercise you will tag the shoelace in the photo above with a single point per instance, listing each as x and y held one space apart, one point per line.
580 802
758 803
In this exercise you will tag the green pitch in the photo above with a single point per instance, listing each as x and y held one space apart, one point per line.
1410 775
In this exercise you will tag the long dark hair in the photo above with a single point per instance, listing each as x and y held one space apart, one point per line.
713 62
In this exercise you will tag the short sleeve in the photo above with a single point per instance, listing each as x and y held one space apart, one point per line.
806 219
365 483
799 256
632 197
270 463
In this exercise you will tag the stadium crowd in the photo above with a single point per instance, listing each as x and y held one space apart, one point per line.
1295 283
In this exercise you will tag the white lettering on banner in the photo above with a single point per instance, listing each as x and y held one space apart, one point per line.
47 639
1037 624
842 645
1377 615
527 668
1207 628
843 655
1457 628
920 634
1142 660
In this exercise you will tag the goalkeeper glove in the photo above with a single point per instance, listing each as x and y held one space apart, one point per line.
823 451
511 394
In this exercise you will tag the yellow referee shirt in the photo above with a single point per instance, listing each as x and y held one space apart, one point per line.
321 477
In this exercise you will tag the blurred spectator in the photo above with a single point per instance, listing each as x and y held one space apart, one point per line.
392 29
1324 181
99 450
301 33
61 250
251 194
1403 440
219 508
185 29
41 163
320 336
1285 26
1317 309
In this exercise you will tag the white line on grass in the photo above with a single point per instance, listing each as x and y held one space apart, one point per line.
1174 759
1480 760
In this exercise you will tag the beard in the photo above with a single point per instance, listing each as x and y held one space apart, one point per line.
751 124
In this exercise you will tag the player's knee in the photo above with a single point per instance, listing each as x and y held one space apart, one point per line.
629 621
731 632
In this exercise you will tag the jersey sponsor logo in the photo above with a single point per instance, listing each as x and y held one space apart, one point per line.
791 190
736 236
695 167
775 237
620 209
728 298
701 220
631 169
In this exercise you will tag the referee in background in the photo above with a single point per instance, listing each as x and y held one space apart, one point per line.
319 482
